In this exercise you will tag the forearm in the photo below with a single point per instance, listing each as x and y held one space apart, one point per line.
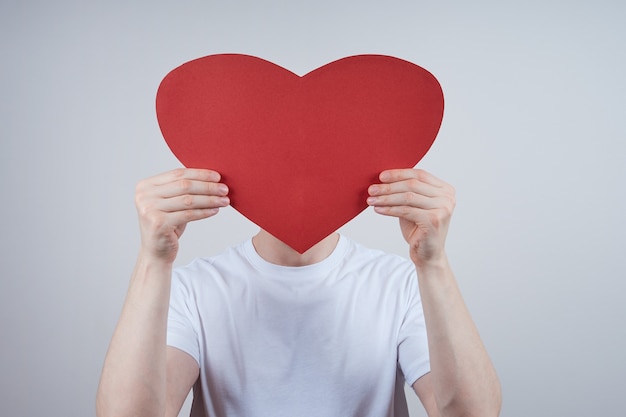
133 381
464 380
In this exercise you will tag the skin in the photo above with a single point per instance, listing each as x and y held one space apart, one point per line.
144 377
462 381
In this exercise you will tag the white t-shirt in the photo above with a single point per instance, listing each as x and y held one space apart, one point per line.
330 339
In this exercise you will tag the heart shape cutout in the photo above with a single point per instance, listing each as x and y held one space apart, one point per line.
298 153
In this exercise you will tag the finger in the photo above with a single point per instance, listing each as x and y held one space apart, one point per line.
405 199
186 216
408 185
412 214
185 174
190 187
395 175
192 202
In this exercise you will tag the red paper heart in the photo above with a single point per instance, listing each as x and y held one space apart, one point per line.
298 153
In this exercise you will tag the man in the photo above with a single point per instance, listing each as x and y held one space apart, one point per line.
329 344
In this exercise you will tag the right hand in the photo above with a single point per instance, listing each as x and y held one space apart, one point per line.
167 202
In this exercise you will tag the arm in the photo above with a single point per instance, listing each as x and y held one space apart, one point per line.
141 375
462 381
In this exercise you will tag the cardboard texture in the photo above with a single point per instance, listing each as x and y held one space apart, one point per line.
298 153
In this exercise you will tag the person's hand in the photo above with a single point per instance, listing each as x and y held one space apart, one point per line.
167 202
424 205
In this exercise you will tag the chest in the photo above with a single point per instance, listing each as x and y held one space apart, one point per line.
292 335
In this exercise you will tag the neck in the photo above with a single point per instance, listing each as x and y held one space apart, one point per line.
276 252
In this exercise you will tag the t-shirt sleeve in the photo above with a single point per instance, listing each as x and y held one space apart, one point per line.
181 332
413 356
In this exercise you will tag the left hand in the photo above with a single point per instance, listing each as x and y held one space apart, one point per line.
424 206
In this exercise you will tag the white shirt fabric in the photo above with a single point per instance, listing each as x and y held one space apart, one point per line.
335 338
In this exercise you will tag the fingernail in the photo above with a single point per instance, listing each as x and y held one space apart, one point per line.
225 201
373 189
371 200
222 189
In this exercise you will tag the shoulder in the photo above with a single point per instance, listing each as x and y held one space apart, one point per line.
383 272
361 257
384 279
211 269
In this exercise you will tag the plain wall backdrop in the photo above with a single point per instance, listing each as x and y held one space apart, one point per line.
532 139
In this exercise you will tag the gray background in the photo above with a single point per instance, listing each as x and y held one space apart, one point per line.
533 140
